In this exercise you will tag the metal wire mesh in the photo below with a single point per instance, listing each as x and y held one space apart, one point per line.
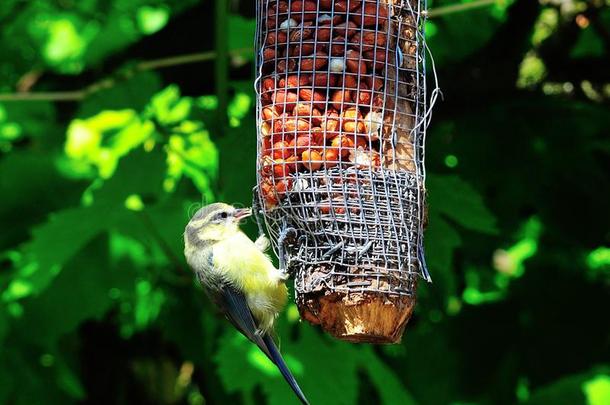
341 125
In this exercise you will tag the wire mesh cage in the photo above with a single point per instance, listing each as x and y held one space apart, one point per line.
341 125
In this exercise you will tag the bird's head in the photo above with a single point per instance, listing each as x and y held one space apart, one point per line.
214 223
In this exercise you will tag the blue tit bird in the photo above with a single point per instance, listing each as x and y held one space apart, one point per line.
238 277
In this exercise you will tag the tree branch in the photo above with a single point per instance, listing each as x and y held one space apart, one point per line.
106 83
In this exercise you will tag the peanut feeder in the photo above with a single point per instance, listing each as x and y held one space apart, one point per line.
341 125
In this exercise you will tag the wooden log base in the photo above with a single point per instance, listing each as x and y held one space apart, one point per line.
359 317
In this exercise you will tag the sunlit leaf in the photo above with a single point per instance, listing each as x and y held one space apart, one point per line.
168 107
597 389
152 19
591 388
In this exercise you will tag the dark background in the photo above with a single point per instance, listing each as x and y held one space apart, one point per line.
103 157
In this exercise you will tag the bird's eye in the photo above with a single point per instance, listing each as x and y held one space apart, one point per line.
223 215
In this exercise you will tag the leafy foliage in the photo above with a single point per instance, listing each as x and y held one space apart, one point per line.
97 303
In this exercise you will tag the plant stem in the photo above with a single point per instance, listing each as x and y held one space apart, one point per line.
106 83
221 68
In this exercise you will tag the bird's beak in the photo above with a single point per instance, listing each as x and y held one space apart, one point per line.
242 213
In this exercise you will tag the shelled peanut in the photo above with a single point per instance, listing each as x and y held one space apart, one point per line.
321 89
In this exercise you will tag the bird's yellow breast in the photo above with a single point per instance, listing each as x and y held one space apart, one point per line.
250 270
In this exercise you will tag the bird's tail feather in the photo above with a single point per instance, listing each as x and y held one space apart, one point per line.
276 357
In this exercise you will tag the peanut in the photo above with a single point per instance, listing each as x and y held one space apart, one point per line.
331 122
314 63
303 9
284 101
343 6
375 83
337 46
346 29
340 98
267 87
379 58
282 186
293 81
317 136
300 144
322 79
354 62
303 110
280 169
302 33
312 160
317 98
283 66
296 125
350 81
268 54
363 95
316 117
266 145
278 37
266 129
368 41
331 158
371 14
323 34
326 4
280 150
342 145
352 120
303 49
269 114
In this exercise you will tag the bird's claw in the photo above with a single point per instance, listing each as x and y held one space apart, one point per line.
262 243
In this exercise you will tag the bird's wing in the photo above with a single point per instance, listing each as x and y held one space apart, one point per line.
233 304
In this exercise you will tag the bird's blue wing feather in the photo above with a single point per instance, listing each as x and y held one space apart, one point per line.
276 357
234 305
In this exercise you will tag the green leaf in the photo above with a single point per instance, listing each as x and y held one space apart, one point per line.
63 39
139 172
68 380
152 19
589 44
27 119
441 240
31 185
132 94
597 390
454 36
459 201
591 388
388 385
52 245
68 231
335 378
241 33
103 139
168 107
4 326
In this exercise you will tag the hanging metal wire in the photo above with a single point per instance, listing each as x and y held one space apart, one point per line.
342 115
